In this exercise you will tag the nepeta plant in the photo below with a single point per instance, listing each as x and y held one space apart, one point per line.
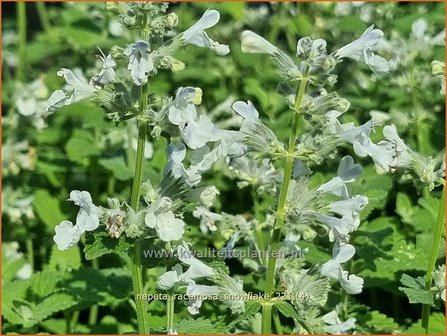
294 208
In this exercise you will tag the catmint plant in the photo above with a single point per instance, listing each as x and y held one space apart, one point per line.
183 188
154 210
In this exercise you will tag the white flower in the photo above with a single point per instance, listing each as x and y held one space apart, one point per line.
183 107
439 280
401 157
196 294
30 98
107 74
31 101
355 49
377 64
176 153
197 133
67 235
340 255
247 111
140 61
347 172
170 278
197 36
334 324
163 220
253 43
182 112
207 218
88 215
352 284
77 89
203 195
360 50
349 207
197 269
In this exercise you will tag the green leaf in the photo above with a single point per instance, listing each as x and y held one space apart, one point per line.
384 253
48 209
99 243
105 287
44 283
251 308
81 145
118 167
435 327
13 296
64 261
50 305
415 290
286 309
200 326
380 323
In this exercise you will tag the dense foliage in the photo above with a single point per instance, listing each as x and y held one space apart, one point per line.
295 158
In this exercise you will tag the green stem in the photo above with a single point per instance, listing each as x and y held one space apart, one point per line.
137 279
67 316
43 16
21 21
274 243
30 252
433 256
266 318
93 312
170 313
137 269
74 320
277 322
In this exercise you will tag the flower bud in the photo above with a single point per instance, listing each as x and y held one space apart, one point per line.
171 20
156 132
438 68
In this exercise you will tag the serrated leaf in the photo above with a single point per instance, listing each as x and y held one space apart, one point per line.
418 295
44 283
431 204
48 209
404 206
65 260
435 327
286 309
10 268
99 243
81 145
50 305
381 323
251 308
118 167
415 290
411 282
104 287
200 326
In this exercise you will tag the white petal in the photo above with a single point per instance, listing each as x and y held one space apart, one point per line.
246 110
253 43
197 134
209 19
170 278
168 227
82 90
343 253
377 64
66 235
352 284
57 100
